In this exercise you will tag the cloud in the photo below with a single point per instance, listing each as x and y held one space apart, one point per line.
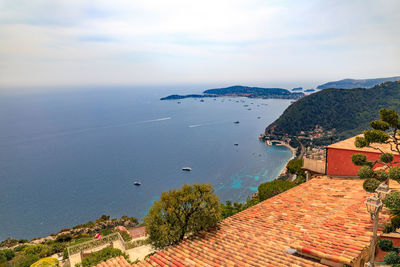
46 42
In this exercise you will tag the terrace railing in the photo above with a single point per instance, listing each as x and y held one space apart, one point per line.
95 243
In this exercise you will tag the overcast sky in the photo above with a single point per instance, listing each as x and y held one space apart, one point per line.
134 42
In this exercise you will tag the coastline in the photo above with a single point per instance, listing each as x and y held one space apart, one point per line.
281 143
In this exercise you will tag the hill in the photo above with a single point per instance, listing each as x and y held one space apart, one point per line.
360 83
243 91
346 112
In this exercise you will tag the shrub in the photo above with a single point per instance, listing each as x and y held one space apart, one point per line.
64 238
392 202
106 231
365 172
395 221
46 262
125 235
103 255
270 189
381 176
392 257
394 173
371 184
386 244
20 248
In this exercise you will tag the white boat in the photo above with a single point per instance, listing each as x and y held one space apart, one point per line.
137 183
188 169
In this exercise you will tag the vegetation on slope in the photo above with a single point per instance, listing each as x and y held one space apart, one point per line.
359 83
337 109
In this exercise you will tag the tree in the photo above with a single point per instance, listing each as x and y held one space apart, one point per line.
270 189
384 131
180 212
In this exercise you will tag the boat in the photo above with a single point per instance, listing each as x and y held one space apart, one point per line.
188 169
258 117
179 102
236 122
235 144
201 100
137 183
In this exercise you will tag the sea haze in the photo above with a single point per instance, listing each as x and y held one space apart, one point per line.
69 157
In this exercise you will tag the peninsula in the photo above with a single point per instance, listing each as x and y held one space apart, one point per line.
242 91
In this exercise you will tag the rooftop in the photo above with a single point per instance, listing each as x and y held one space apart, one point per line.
325 219
114 262
348 144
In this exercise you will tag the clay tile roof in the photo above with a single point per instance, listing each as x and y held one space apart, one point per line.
348 144
114 262
323 218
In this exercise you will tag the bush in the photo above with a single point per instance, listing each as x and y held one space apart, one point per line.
125 236
270 189
392 202
365 172
381 175
371 184
395 221
106 231
64 238
20 248
46 262
394 173
392 258
386 244
103 255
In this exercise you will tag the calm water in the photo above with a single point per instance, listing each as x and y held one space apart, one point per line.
67 158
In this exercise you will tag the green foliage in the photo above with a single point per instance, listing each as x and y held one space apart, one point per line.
390 117
381 175
270 189
180 212
46 262
102 255
380 125
348 111
22 260
375 136
386 244
386 157
6 255
394 173
359 159
103 218
64 238
395 221
106 231
371 184
392 202
360 142
365 172
125 236
392 258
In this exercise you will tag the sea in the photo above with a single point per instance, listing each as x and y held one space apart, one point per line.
69 156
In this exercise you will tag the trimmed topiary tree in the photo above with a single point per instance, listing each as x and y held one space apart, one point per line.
392 258
384 131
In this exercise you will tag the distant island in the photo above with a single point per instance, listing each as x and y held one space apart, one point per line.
357 83
297 89
242 91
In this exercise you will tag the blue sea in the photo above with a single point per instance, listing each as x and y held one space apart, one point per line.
67 157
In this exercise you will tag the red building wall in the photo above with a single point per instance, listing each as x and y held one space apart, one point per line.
339 161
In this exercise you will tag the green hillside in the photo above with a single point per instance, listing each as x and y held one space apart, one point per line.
347 111
357 83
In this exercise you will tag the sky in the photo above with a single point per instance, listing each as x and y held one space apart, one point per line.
147 42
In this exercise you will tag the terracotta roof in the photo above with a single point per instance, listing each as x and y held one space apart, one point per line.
323 218
348 144
114 262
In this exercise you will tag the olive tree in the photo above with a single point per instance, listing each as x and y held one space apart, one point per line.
181 212
384 131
